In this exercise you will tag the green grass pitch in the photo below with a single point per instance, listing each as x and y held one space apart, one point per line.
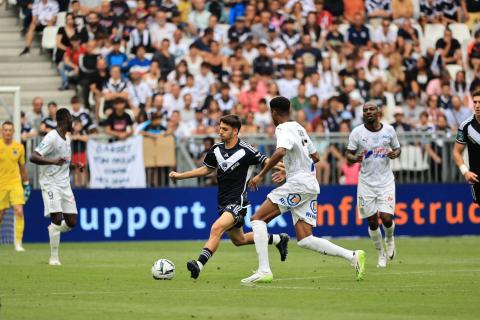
431 278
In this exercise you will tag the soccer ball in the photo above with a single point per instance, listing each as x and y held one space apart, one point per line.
163 269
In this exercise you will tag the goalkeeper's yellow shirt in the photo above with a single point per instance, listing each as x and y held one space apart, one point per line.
10 158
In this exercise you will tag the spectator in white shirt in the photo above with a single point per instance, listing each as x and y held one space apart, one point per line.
44 13
288 85
198 18
139 93
385 33
225 101
179 45
161 29
204 80
173 101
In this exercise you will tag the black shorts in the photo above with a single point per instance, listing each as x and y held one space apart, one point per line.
40 27
237 211
476 192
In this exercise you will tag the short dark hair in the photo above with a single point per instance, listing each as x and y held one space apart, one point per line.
281 105
63 115
476 93
7 123
119 100
52 103
75 99
232 121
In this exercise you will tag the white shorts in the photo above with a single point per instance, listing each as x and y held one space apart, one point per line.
58 199
371 200
302 206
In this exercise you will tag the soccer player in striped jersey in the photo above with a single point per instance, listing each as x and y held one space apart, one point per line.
234 161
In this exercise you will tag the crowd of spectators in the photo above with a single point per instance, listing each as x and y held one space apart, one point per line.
175 67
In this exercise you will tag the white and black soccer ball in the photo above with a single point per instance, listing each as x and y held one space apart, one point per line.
163 269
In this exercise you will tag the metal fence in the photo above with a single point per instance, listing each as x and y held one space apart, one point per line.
425 158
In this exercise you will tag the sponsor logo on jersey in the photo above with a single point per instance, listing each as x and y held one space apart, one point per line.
294 199
377 153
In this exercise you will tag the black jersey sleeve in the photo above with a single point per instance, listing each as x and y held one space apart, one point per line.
210 159
255 157
462 134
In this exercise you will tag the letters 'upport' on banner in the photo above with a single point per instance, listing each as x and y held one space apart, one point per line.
116 165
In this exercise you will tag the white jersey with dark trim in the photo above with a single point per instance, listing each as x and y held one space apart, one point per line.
234 168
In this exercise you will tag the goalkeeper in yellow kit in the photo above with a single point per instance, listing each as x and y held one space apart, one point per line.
12 168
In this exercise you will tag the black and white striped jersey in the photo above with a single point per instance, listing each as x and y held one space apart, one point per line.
469 134
234 168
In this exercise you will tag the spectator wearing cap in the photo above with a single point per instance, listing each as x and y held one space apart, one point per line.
198 17
263 64
44 13
400 125
116 57
140 37
139 93
49 123
139 63
288 85
358 34
457 114
69 67
239 30
119 124
311 55
161 29
260 29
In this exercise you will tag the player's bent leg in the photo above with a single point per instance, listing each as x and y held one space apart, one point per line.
54 230
389 229
376 236
307 241
222 224
19 227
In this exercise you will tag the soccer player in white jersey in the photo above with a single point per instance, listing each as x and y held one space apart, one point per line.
53 154
373 144
297 195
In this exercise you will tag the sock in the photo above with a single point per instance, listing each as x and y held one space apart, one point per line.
203 257
54 240
325 247
273 239
64 227
389 232
376 236
260 237
19 226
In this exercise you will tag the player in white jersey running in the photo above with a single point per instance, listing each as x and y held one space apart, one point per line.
373 144
297 195
53 154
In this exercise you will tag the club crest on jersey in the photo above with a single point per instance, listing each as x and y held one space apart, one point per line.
293 199
224 166
313 206
15 152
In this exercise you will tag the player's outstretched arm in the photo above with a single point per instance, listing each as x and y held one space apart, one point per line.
199 172
276 157
470 176
37 158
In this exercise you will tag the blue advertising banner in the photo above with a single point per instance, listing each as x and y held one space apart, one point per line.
187 213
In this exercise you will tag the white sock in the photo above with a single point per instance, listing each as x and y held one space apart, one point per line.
260 237
54 240
200 265
275 239
64 227
389 232
325 247
376 236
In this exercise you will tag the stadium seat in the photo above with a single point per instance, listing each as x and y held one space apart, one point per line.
343 28
61 19
460 32
417 27
416 9
49 38
149 55
390 107
412 158
433 32
453 69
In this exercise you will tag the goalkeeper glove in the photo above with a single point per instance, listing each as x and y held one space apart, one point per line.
27 189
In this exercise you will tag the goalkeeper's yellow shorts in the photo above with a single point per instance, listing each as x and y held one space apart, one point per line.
12 196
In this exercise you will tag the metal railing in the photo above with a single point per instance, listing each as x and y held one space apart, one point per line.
426 158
